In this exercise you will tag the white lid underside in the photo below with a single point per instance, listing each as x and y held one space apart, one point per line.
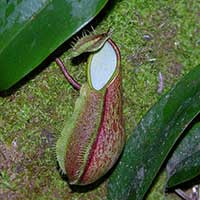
102 66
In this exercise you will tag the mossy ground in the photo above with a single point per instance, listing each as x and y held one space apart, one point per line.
153 36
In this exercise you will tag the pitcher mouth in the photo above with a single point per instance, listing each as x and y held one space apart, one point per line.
101 72
112 49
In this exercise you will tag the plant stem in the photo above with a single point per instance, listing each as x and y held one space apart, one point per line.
71 80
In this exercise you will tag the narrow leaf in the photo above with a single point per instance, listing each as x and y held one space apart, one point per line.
32 29
184 164
153 138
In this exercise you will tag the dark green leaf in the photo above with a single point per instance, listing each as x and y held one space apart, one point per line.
32 29
184 164
153 138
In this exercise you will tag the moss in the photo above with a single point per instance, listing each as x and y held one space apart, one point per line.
153 36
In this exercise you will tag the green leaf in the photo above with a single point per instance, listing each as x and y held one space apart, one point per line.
184 164
32 29
153 138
